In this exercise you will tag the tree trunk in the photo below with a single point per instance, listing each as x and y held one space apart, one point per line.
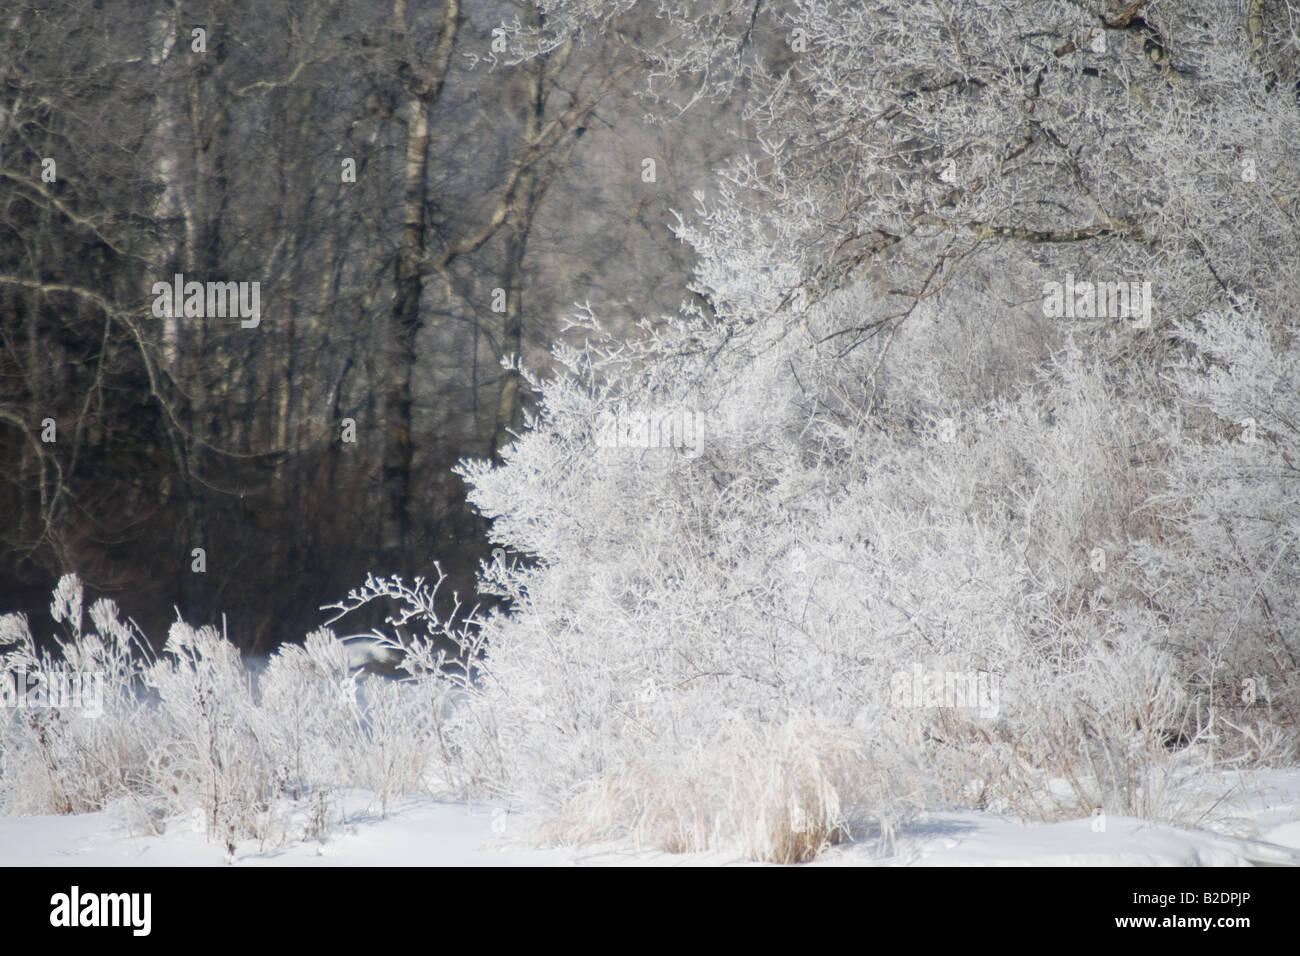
423 88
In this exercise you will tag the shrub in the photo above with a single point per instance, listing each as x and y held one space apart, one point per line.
686 622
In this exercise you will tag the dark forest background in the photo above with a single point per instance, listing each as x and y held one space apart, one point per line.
127 156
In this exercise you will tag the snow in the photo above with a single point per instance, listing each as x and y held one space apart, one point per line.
1258 823
415 832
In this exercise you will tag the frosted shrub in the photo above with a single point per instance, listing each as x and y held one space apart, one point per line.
81 734
397 740
242 752
691 624
334 727
774 794
413 734
1227 575
194 737
217 756
309 696
995 590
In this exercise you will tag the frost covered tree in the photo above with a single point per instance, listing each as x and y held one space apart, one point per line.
879 527
1226 574
1156 137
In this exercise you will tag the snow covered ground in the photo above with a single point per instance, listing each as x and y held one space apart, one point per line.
1256 823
